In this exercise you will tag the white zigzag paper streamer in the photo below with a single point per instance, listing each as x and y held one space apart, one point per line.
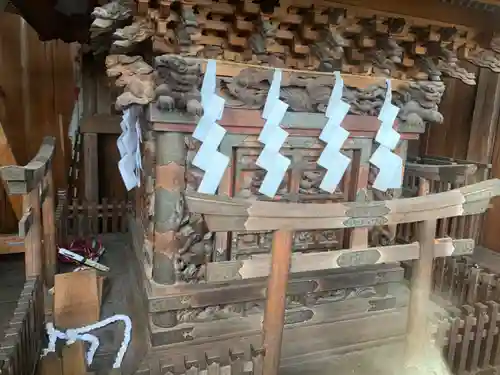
389 164
334 136
208 158
273 137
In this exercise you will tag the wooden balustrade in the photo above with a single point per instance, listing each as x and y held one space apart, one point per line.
469 338
23 338
443 175
37 225
80 219
223 214
22 342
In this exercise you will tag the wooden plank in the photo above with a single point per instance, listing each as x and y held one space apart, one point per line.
11 244
33 239
49 232
73 359
101 124
298 339
7 158
51 364
247 121
76 299
485 118
232 69
91 167
258 266
170 298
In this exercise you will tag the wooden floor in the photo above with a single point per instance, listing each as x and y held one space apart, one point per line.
11 284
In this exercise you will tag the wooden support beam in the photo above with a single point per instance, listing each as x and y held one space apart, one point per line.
11 244
485 119
420 288
49 230
424 10
232 69
91 170
274 315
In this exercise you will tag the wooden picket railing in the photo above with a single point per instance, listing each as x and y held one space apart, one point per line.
470 339
443 174
23 338
21 345
80 219
230 214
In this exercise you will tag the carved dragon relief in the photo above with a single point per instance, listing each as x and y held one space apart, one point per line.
303 93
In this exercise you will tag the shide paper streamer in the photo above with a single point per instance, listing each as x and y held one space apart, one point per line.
389 164
207 131
334 135
129 146
273 137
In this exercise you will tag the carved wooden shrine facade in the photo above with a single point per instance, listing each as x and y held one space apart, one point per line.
207 281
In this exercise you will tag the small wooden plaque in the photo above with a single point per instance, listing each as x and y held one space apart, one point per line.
76 299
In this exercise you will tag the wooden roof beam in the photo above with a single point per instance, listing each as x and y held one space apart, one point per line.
427 9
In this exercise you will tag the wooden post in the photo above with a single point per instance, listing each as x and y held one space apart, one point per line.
168 213
49 230
91 170
33 240
417 338
274 315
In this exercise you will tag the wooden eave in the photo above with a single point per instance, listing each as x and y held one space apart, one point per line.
451 14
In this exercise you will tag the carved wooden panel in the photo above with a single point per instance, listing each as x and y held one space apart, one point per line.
243 177
301 184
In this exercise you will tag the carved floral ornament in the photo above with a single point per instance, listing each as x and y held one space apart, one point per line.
273 137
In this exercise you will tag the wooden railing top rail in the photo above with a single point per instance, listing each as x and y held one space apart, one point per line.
443 160
452 173
21 180
231 214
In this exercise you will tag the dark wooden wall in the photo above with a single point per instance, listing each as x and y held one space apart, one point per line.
99 100
469 131
37 79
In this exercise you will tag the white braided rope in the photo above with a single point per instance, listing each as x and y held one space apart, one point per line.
74 334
